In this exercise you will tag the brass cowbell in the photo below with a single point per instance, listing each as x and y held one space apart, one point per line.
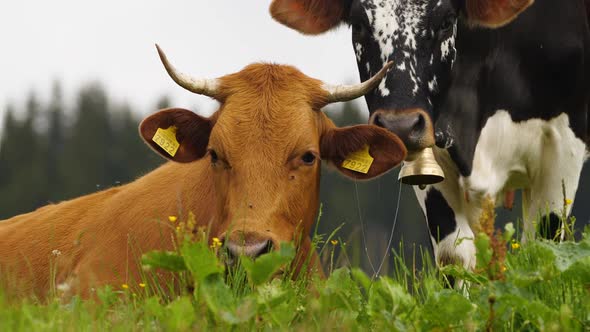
420 169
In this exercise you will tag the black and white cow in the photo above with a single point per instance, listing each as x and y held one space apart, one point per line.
501 87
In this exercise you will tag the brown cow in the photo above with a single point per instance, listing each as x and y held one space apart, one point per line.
252 167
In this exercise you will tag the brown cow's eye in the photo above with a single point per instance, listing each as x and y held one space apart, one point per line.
213 156
308 158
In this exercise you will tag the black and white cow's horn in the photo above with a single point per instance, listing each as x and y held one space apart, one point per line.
202 86
338 93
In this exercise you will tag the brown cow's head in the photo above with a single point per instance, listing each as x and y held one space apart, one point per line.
264 146
417 35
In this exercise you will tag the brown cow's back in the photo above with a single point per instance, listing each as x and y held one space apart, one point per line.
104 232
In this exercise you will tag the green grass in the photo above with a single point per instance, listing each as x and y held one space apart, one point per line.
540 286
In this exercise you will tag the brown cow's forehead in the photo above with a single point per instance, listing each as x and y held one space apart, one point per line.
275 131
271 109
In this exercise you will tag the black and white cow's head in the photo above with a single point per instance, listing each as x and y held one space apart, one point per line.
417 35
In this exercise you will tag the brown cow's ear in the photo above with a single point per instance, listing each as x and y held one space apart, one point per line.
310 17
177 134
494 13
346 148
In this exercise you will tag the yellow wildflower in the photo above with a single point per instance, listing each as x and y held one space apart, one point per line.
568 201
334 242
216 243
142 285
125 286
515 245
172 218
504 268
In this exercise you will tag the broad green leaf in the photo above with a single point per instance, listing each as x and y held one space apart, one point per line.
166 260
272 293
200 260
567 253
446 309
222 303
390 304
580 270
279 302
361 277
341 297
180 315
266 266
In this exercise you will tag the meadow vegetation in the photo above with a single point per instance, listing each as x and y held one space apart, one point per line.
538 286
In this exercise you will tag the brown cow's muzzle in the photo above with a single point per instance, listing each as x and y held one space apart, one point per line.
246 244
414 127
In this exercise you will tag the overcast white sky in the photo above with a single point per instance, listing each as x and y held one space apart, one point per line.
76 41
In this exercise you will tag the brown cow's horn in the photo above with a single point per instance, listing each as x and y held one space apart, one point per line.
338 93
202 86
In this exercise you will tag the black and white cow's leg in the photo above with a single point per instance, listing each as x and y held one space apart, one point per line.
540 218
563 157
450 233
545 205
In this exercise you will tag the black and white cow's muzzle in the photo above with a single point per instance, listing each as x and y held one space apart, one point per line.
413 126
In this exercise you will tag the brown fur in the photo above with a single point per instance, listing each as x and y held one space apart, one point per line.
309 16
258 190
494 13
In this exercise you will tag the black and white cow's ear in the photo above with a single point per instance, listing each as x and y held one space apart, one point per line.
494 13
310 17
363 151
177 134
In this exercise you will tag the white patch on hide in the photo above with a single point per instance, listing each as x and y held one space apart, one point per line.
536 155
432 85
358 50
458 245
392 22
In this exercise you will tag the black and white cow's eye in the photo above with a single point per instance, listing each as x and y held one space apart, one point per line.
358 29
447 24
308 158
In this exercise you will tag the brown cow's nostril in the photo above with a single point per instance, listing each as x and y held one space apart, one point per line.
252 250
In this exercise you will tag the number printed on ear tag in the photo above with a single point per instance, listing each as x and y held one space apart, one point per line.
166 139
359 161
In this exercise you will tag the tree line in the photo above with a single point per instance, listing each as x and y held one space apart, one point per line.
52 154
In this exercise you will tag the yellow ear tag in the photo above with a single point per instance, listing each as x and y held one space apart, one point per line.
166 139
359 161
